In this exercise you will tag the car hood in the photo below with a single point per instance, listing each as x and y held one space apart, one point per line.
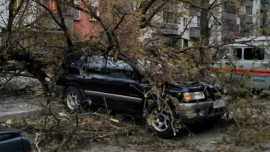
193 87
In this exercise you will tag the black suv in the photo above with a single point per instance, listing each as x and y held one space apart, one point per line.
102 81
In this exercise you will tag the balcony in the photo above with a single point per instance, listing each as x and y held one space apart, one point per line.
248 19
266 23
225 32
170 29
247 2
265 2
229 7
227 15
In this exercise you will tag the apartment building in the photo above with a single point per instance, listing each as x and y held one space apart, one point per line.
30 10
237 18
173 23
176 21
250 18
265 17
3 14
181 22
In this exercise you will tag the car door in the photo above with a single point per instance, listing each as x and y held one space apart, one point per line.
122 87
230 60
254 60
92 78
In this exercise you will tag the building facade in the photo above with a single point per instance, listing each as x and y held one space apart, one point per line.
236 18
178 22
84 25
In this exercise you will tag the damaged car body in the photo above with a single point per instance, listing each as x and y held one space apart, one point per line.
103 81
13 141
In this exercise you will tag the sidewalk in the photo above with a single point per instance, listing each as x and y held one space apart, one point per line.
18 107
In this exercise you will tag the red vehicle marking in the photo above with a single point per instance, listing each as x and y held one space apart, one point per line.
243 71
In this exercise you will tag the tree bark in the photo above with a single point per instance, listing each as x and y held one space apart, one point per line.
204 28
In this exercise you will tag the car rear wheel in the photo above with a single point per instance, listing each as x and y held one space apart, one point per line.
160 121
73 99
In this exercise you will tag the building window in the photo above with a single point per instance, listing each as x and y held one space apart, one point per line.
95 11
185 43
198 20
77 14
50 4
172 42
185 22
17 3
249 10
170 17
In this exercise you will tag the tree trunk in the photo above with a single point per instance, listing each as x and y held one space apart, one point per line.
204 28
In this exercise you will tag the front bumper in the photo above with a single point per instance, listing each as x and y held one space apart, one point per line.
190 112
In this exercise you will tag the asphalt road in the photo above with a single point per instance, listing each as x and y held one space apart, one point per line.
18 107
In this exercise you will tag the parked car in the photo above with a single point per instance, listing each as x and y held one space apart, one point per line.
247 56
12 141
101 80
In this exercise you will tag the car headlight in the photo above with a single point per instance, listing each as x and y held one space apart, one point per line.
193 96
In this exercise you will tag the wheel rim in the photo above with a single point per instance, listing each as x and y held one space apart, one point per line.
161 121
72 100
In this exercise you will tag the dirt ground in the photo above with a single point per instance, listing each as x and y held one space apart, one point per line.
202 138
199 138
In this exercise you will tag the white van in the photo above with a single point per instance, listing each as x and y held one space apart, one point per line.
247 56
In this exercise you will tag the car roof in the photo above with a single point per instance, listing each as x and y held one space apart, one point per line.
236 45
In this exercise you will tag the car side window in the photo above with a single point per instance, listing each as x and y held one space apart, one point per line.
253 54
119 68
237 53
95 64
222 53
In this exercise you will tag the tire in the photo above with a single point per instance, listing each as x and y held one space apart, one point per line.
212 121
256 91
160 121
74 100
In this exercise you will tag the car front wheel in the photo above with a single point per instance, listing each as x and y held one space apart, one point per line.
73 99
160 121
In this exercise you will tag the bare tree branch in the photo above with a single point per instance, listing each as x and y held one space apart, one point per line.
146 7
150 17
63 26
